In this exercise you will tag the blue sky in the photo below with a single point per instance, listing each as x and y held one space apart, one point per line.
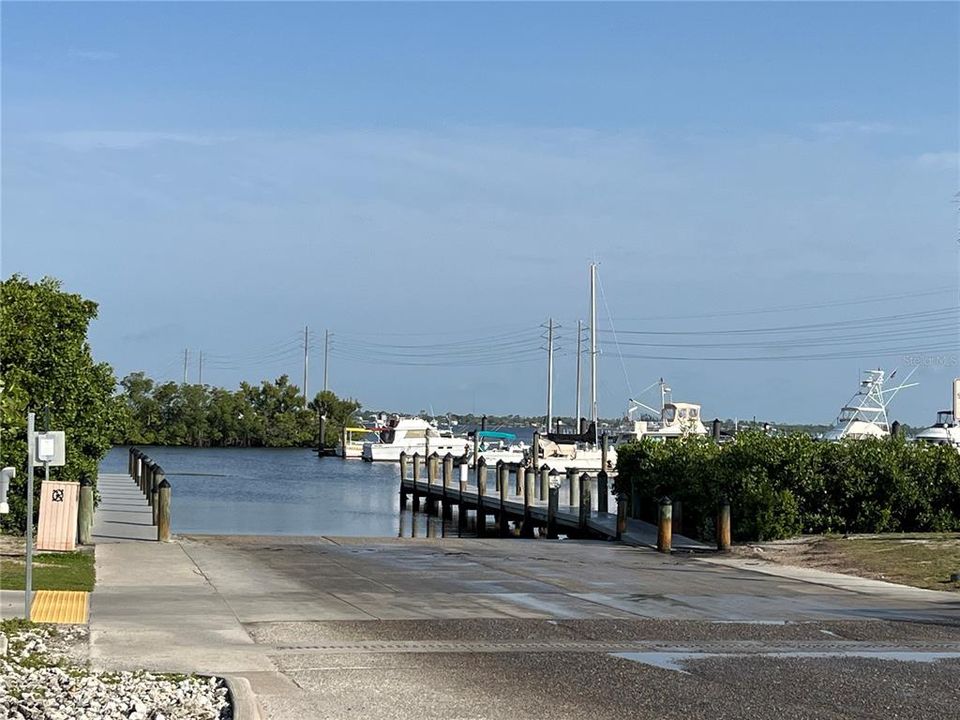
420 174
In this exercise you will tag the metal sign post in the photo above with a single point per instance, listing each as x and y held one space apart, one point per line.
28 582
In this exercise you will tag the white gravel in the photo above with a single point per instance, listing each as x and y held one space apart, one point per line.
40 680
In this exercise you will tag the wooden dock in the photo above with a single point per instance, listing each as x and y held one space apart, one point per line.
574 504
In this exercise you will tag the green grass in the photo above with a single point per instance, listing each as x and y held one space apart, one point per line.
51 571
924 560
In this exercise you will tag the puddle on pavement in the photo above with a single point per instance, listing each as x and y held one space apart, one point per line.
674 660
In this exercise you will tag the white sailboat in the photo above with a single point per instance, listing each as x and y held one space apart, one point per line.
584 454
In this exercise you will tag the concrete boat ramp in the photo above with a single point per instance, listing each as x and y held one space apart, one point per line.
326 627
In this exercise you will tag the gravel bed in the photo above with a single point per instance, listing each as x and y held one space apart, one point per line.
40 679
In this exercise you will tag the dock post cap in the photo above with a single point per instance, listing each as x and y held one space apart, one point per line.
164 484
555 481
85 480
448 455
665 500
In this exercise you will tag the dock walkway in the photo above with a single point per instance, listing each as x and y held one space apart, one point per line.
576 514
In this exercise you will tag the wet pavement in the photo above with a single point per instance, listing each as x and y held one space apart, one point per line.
326 627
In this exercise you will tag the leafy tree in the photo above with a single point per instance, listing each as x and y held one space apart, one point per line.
338 412
47 366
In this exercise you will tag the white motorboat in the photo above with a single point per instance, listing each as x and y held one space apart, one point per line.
412 435
583 457
865 415
946 431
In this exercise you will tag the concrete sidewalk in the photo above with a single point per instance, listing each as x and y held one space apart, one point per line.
152 606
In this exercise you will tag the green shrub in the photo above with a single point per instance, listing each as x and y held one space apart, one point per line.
785 485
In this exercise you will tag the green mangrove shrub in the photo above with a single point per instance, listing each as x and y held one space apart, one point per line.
780 486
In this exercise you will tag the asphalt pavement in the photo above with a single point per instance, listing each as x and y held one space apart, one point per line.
481 628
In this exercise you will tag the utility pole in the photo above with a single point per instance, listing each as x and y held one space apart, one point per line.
550 375
576 418
186 355
326 357
306 362
593 344
28 580
200 373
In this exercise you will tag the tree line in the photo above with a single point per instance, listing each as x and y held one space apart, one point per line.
271 414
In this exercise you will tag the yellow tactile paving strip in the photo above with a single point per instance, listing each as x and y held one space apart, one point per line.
64 607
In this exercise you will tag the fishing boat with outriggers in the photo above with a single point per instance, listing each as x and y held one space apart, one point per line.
865 415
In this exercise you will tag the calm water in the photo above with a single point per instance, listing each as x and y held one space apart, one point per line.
282 492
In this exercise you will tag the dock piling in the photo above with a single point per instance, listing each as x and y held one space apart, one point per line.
723 526
544 481
553 502
585 504
573 481
163 516
665 525
85 512
621 515
403 476
603 489
447 511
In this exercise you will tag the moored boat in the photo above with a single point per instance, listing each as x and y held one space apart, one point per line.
411 435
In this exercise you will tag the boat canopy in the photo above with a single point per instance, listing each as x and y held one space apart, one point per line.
496 435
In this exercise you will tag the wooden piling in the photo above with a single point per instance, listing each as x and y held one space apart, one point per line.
621 515
535 451
403 476
585 502
553 502
85 512
416 479
447 482
603 489
665 525
723 526
503 481
481 467
529 482
463 481
573 483
433 466
604 450
157 478
163 516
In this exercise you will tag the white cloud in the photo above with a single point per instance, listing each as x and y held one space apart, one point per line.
85 140
939 160
843 127
96 55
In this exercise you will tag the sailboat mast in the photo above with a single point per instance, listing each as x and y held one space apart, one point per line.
593 343
550 376
576 417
